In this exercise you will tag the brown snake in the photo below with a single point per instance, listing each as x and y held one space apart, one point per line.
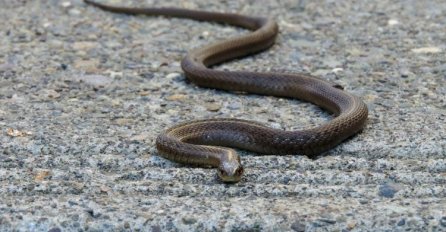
203 142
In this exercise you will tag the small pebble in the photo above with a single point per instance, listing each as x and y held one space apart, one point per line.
402 222
214 107
41 175
426 50
94 80
234 106
177 97
387 190
189 220
173 76
66 4
298 226
392 22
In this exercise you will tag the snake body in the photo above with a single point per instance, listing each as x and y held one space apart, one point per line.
205 142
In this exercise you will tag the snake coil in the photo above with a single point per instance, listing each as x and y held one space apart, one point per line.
204 142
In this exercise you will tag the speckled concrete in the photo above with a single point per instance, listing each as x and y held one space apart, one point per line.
84 93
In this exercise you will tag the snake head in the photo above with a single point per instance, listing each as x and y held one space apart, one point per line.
231 175
230 169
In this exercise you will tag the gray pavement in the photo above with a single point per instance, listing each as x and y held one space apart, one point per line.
84 93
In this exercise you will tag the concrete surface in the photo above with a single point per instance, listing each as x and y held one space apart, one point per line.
84 93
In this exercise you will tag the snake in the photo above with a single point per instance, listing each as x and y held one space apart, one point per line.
214 142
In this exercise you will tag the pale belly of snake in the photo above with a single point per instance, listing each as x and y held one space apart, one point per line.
206 142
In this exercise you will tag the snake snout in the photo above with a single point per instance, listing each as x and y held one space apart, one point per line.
230 174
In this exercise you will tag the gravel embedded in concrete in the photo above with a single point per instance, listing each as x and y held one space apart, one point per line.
84 93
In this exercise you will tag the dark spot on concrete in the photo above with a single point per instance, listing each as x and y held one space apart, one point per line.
55 229
443 221
156 229
387 190
298 226
327 220
402 222
189 220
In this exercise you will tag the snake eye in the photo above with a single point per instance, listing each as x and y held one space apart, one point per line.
222 172
239 171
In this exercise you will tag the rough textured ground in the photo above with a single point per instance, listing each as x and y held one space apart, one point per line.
84 93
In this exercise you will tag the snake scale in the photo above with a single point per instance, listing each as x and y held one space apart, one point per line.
209 142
